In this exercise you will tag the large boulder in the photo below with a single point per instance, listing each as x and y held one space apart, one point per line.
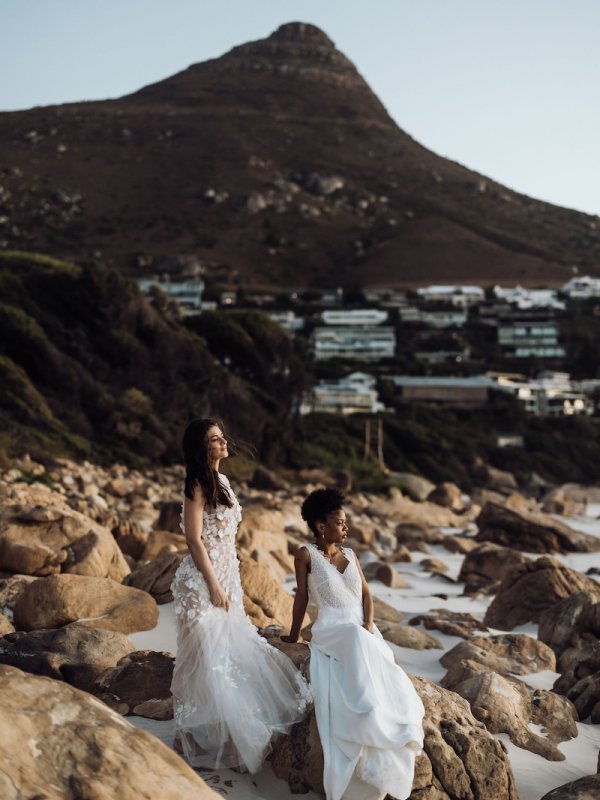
516 654
566 623
559 501
531 531
505 705
140 684
58 742
580 681
460 758
97 602
447 495
531 589
265 601
416 487
488 563
156 577
76 653
40 539
586 788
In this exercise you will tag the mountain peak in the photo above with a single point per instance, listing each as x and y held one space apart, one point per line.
301 32
296 48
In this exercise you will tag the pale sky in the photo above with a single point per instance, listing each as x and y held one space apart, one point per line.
508 88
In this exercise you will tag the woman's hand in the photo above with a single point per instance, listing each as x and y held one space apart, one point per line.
368 626
218 598
289 639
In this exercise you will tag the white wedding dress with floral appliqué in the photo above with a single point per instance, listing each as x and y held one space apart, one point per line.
369 715
232 691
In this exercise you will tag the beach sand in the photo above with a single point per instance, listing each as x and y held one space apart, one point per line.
534 775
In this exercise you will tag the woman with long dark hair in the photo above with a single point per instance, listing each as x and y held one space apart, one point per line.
232 691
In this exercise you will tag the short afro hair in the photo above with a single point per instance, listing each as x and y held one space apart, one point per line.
319 505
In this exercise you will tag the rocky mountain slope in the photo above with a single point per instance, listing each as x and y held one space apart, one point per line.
276 165
88 366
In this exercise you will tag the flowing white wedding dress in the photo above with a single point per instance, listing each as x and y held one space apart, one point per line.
369 715
232 691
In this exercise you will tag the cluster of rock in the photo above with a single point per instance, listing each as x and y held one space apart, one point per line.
87 554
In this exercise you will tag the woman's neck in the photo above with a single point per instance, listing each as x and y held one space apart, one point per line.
328 548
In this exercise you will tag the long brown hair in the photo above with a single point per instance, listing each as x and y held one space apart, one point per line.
198 468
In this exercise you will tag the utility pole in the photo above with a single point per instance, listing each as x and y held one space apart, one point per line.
373 448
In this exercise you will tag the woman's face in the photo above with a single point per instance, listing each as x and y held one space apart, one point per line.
334 529
216 444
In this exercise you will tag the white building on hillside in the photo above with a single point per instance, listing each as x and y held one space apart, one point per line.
581 288
358 316
287 319
530 338
529 298
362 343
354 394
458 296
188 293
550 394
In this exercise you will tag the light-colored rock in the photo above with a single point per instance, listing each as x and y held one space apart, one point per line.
532 588
452 623
43 720
532 532
6 625
460 544
98 602
513 653
434 565
139 684
505 705
383 612
377 571
265 600
47 539
161 542
415 486
131 537
559 501
75 653
460 759
10 589
447 495
406 636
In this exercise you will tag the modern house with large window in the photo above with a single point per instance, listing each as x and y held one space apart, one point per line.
362 343
354 394
187 293
530 338
457 296
582 287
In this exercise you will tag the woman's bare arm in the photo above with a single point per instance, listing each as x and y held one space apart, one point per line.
302 564
367 599
193 522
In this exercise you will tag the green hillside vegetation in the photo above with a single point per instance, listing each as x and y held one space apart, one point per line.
89 368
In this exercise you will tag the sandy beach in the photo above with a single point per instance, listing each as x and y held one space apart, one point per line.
534 774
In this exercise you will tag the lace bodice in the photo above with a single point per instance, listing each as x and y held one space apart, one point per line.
330 588
219 529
